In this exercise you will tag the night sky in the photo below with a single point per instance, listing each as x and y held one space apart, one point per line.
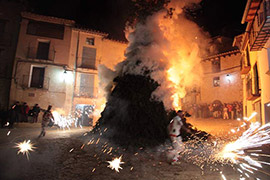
218 17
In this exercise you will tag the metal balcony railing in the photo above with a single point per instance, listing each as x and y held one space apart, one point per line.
25 83
260 30
34 54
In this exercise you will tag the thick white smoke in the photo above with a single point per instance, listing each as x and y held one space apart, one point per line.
171 48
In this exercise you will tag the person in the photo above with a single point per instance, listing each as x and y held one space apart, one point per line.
233 111
174 129
229 106
215 110
36 111
14 114
46 119
238 110
24 112
225 112
211 109
174 132
78 115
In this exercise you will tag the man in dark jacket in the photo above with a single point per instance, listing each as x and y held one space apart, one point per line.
47 117
36 111
14 114
24 111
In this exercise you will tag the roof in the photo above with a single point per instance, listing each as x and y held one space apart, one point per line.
49 19
250 10
117 41
91 31
221 55
237 42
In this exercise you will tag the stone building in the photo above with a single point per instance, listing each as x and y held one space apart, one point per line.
222 79
57 64
220 83
255 62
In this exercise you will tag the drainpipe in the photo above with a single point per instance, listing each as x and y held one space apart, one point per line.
75 69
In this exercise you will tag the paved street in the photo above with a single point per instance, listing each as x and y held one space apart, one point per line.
67 154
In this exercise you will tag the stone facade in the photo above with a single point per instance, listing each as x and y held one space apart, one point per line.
255 62
59 66
223 83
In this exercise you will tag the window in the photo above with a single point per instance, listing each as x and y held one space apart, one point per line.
87 85
46 29
256 80
90 41
89 58
258 108
216 66
43 50
37 77
216 82
247 58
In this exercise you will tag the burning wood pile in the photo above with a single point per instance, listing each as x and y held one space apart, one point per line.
131 117
160 63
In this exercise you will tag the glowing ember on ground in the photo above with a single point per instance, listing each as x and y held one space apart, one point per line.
8 133
24 147
71 150
115 164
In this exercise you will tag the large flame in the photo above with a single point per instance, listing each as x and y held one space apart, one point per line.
184 48
170 48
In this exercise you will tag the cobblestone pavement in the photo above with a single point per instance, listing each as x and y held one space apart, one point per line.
53 159
68 156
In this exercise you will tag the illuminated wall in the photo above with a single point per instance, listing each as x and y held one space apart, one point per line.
225 85
57 84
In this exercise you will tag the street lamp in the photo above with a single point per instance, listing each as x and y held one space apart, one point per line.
229 78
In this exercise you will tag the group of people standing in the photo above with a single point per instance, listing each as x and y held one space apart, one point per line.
216 110
22 113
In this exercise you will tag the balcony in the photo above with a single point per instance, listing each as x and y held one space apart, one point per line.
33 53
245 69
25 83
260 28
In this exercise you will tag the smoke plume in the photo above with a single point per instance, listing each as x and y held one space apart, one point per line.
169 49
162 60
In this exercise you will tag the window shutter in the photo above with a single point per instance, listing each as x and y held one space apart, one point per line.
89 58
